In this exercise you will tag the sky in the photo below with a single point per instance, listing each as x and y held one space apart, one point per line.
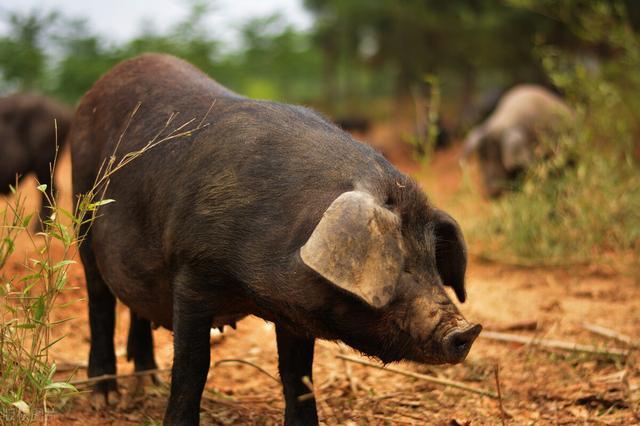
119 20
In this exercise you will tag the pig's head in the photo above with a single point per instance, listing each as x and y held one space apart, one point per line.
389 259
502 156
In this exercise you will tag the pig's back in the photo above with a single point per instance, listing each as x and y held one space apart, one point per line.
137 94
528 106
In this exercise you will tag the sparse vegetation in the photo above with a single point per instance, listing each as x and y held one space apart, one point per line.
581 201
28 390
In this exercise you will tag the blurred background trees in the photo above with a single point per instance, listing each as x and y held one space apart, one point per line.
357 54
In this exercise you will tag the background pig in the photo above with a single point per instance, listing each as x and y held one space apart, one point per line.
506 141
269 210
28 138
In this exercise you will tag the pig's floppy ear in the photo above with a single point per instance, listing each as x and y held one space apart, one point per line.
357 246
451 253
515 150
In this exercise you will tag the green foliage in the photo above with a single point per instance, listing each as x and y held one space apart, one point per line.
27 383
582 201
357 53
275 61
425 138
23 63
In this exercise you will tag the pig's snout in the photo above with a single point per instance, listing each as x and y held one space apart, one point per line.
458 342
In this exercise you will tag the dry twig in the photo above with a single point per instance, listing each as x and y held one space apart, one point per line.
436 380
607 332
242 361
503 414
97 379
353 385
554 344
527 325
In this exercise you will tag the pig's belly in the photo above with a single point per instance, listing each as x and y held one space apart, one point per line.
150 298
134 269
147 290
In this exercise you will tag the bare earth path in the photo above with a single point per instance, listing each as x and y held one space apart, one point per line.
538 386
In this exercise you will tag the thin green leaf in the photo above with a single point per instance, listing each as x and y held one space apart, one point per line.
38 308
63 263
60 385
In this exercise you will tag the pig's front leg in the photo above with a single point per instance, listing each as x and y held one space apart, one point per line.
295 360
191 357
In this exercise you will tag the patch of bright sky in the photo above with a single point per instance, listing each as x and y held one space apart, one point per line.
120 20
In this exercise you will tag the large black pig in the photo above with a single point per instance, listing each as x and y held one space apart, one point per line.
269 210
28 138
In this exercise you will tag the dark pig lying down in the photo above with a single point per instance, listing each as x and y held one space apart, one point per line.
269 210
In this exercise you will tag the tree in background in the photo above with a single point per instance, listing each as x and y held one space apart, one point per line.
22 59
358 55
470 45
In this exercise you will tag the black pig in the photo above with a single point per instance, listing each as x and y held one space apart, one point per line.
28 138
269 210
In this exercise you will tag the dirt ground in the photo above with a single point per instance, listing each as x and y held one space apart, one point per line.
538 385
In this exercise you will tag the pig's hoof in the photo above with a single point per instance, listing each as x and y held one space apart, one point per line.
105 394
141 382
100 400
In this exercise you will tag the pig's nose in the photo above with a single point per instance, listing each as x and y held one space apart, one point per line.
458 342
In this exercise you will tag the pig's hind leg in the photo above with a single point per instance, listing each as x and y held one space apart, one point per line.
140 349
102 311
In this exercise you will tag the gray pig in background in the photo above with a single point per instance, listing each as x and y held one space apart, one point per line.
506 141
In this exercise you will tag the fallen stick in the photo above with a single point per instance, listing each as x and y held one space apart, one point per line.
432 379
104 377
243 361
69 366
607 332
352 381
528 325
555 344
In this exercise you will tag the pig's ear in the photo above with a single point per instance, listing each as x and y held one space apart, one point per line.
515 150
451 253
357 246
